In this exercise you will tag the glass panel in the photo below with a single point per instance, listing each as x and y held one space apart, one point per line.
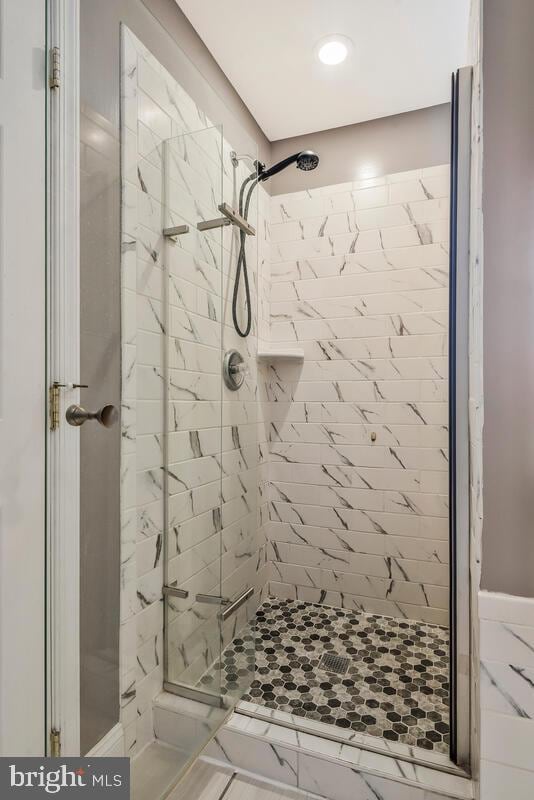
193 192
211 449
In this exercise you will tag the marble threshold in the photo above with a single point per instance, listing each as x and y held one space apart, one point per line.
332 769
364 741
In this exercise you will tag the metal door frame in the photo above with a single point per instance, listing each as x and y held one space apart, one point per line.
459 457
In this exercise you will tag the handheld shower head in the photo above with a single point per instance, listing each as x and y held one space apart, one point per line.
305 160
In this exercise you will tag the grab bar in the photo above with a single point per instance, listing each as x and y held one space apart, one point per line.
231 606
213 599
237 603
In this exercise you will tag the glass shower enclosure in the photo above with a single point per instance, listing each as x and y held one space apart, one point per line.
209 432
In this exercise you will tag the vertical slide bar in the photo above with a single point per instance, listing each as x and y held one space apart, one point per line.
459 416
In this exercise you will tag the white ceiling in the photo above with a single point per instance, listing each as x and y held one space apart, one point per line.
404 52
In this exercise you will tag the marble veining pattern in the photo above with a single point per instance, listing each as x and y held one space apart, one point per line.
358 432
326 768
506 696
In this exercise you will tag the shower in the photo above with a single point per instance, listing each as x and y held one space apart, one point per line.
305 160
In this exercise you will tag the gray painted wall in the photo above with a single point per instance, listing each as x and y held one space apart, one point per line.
368 149
508 205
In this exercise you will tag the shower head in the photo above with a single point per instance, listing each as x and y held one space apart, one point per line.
305 160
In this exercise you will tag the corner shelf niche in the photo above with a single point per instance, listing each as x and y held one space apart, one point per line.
267 354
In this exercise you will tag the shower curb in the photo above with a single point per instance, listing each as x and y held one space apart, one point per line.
326 768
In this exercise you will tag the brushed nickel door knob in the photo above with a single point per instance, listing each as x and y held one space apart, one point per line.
106 416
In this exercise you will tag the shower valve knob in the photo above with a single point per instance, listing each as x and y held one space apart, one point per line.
106 416
234 370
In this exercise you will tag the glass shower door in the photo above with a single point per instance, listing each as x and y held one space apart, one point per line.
207 468
192 446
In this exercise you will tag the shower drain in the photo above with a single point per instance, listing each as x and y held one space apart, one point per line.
331 663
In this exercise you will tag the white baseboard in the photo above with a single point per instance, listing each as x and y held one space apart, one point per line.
112 744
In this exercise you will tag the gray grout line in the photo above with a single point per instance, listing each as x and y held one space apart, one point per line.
227 787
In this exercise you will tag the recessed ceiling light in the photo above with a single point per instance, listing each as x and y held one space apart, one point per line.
333 50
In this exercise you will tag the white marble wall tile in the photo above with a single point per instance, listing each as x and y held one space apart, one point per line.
272 761
355 542
360 327
362 284
517 641
505 608
341 783
506 695
498 781
359 278
507 739
381 260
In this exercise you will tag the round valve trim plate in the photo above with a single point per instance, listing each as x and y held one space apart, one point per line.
233 370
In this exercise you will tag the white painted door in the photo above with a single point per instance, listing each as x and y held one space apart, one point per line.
22 376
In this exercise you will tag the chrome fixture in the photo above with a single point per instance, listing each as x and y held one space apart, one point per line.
235 158
231 217
172 590
237 603
230 606
106 416
305 160
234 369
177 230
212 599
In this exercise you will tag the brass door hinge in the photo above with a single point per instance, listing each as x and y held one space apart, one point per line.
53 404
55 68
55 743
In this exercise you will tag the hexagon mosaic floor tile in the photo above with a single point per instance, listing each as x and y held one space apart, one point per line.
390 679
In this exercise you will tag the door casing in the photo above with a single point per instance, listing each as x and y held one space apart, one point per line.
63 341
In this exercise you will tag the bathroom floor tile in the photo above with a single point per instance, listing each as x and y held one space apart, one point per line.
396 679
